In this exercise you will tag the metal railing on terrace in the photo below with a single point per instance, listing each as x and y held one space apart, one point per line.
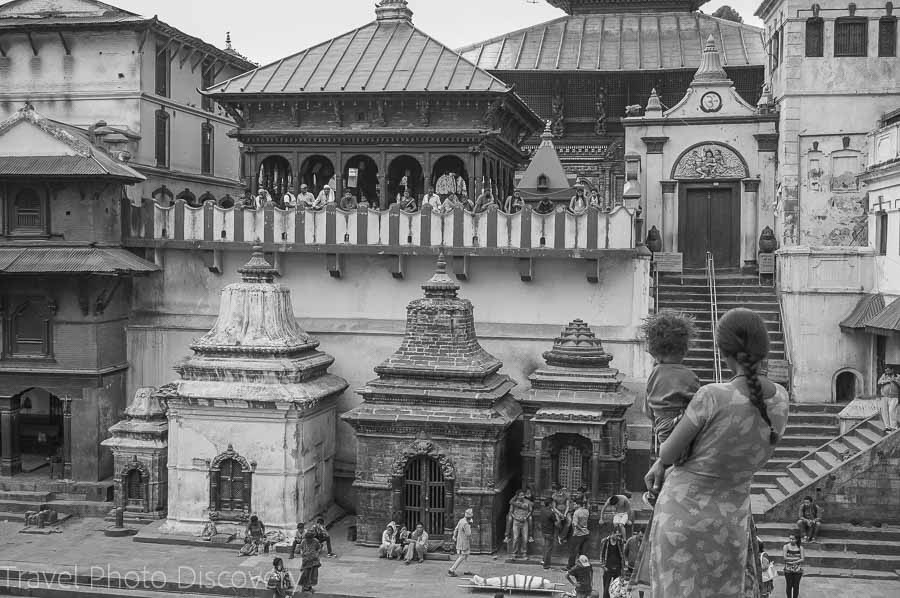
334 230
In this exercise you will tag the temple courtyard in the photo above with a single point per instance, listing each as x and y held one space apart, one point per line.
82 561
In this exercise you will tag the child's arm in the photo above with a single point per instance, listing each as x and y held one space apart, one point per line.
685 431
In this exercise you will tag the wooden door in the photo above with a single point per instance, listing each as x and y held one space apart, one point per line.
424 497
710 220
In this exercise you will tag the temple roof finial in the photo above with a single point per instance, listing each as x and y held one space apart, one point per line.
710 64
440 284
393 10
653 103
228 40
547 135
258 269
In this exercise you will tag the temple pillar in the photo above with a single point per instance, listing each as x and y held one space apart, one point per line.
750 221
538 466
383 196
669 216
596 455
339 177
10 455
67 438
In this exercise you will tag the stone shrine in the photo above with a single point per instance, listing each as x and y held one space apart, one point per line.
434 429
574 418
252 419
139 444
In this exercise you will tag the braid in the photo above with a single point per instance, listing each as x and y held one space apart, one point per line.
751 371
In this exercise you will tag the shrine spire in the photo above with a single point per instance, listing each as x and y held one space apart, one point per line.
393 10
710 64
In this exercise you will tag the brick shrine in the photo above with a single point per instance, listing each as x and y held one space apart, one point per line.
139 445
435 430
252 420
574 418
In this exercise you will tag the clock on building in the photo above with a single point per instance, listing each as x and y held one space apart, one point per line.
711 102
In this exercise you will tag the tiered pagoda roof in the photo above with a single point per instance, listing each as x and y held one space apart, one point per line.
577 382
440 372
626 35
256 351
145 425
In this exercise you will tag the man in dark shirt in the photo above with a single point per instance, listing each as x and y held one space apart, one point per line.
548 530
612 558
582 577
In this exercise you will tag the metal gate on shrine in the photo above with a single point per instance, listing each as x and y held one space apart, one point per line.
424 495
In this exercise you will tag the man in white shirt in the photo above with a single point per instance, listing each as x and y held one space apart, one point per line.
305 199
433 199
326 195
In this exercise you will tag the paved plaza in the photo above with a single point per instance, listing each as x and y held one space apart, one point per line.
82 551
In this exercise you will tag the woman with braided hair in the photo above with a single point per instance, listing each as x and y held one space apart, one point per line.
702 540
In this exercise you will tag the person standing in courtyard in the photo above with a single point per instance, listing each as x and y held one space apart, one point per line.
279 580
462 536
581 575
810 519
702 540
547 520
309 561
580 533
612 559
631 551
793 565
623 514
889 389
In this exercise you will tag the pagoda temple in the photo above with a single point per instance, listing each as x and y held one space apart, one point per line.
434 431
380 110
584 70
252 420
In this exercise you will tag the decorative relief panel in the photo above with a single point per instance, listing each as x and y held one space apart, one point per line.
710 161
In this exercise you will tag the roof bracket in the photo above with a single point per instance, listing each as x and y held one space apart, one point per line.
106 296
186 57
65 43
197 62
176 53
31 41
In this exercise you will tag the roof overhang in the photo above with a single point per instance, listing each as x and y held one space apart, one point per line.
72 260
867 307
887 321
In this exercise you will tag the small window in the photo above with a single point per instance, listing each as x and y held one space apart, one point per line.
29 323
207 74
162 69
881 232
851 37
776 49
542 182
206 148
134 489
887 36
28 214
162 139
815 37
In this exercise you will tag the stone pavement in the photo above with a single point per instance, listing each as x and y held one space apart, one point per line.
81 552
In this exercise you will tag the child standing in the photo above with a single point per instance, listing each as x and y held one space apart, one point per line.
671 384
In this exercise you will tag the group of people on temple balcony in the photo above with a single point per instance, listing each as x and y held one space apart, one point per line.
440 204
400 543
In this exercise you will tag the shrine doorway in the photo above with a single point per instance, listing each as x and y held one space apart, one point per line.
408 167
134 488
442 183
364 182
316 172
571 460
275 176
847 384
709 220
424 495
41 432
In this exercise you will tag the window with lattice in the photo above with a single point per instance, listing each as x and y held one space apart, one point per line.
134 489
28 214
851 37
29 321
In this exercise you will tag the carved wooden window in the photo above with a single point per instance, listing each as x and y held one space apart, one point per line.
30 325
162 139
571 460
230 487
206 148
887 36
134 489
815 37
851 36
28 214
162 69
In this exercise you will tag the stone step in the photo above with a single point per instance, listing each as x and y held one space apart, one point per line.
793 453
26 495
20 506
821 419
847 531
804 440
810 408
829 430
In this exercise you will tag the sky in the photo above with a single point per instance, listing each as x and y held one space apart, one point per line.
268 30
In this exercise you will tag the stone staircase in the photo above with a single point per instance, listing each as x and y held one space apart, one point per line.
20 494
690 294
810 425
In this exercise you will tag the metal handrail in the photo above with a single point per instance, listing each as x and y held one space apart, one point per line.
714 312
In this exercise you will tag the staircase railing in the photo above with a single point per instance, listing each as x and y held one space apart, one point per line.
714 312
